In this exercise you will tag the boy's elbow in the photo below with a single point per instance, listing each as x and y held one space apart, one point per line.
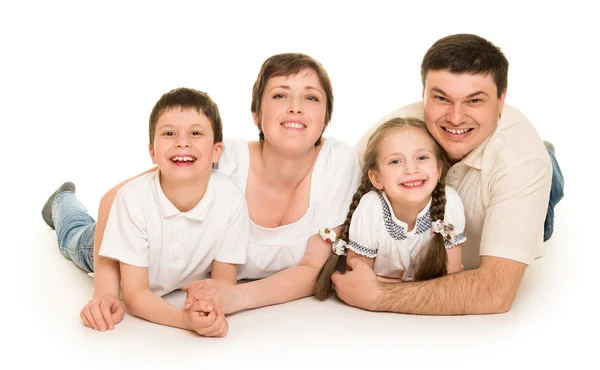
133 302
129 303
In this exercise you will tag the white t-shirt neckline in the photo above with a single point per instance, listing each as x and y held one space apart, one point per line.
316 170
199 211
422 216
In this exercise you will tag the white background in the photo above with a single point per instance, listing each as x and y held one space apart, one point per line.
78 81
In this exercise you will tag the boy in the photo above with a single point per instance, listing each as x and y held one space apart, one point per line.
170 226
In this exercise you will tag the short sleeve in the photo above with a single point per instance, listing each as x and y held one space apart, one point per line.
455 214
514 220
335 179
365 226
125 236
234 246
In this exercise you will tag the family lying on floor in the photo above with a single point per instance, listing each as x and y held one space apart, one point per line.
413 219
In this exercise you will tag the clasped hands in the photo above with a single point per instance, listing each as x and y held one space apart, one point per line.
205 306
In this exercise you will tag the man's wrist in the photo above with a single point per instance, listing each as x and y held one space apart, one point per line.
376 298
383 294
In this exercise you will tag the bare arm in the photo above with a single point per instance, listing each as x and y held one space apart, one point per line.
454 259
202 317
489 289
104 310
106 270
285 286
226 272
142 302
371 262
290 284
368 261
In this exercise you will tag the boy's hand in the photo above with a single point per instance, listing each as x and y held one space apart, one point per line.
103 312
205 320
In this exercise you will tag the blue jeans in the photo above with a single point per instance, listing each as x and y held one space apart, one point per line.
75 230
556 194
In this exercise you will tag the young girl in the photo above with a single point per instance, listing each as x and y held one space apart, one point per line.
403 221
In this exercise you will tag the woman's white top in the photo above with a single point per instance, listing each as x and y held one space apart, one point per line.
335 179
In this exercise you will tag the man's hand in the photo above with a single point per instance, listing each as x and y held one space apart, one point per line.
103 312
204 319
358 286
227 297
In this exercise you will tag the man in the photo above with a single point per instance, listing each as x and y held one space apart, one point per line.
502 172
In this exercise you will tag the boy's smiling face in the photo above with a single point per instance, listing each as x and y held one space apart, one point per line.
184 147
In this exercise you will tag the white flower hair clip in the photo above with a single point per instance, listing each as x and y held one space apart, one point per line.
337 245
444 228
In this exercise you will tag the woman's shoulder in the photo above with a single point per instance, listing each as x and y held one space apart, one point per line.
234 161
235 153
336 156
336 173
233 149
337 147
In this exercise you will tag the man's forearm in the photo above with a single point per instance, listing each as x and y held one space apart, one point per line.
462 293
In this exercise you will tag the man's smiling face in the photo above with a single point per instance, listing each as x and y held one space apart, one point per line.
461 110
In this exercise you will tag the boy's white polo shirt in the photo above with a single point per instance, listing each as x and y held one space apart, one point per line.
145 229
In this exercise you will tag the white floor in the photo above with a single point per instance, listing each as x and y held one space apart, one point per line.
78 82
544 326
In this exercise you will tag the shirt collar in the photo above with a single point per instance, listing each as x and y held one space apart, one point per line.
398 229
506 120
198 213
474 158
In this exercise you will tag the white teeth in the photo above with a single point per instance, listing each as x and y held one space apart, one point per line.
457 132
293 125
182 159
414 183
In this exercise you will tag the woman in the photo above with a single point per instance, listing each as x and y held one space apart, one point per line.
295 181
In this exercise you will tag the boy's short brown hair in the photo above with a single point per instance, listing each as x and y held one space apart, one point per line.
186 98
